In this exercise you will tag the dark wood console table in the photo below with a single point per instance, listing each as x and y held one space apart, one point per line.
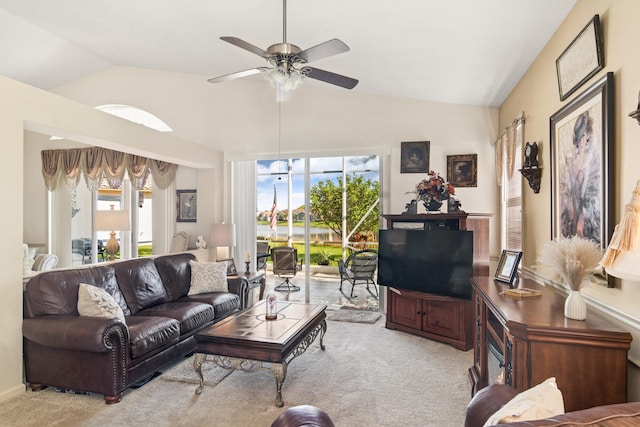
529 340
441 318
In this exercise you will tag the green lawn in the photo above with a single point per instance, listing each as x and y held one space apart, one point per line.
332 251
144 250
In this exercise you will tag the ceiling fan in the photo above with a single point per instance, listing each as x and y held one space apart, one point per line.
288 62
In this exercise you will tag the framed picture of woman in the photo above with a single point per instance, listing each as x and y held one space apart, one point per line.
414 157
581 162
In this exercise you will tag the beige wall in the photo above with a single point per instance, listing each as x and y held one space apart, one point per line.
537 95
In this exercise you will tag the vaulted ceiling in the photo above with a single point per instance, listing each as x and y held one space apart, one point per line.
470 52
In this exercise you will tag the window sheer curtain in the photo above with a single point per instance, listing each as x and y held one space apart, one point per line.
508 157
94 162
243 190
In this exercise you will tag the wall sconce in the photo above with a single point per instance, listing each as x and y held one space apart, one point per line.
622 257
112 221
223 237
530 167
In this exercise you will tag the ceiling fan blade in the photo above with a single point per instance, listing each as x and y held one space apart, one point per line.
238 75
323 50
245 45
329 77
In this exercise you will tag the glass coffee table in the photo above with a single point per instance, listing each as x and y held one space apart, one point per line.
246 341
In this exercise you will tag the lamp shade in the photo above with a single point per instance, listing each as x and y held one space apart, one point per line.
112 220
223 235
622 257
626 266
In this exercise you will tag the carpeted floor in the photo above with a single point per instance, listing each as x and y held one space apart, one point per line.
367 376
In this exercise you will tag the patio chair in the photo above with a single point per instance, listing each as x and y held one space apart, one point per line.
285 265
262 254
359 269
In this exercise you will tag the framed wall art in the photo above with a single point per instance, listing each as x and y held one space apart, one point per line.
462 170
508 266
581 164
581 60
186 205
231 266
414 157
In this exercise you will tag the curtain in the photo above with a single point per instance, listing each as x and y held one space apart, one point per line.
499 153
505 149
95 162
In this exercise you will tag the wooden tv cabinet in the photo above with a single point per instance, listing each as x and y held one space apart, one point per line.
437 317
441 318
535 341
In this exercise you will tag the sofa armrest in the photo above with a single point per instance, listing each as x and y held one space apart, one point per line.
240 286
615 415
486 402
78 333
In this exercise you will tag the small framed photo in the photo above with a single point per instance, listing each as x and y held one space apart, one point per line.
508 266
462 170
186 205
414 157
231 266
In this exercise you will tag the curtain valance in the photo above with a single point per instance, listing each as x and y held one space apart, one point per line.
95 162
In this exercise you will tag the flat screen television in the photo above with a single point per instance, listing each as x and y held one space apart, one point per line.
438 262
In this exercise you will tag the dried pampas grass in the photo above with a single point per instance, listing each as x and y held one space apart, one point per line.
573 259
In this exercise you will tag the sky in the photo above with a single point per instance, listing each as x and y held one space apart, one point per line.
270 172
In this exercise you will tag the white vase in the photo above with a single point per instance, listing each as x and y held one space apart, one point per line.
575 307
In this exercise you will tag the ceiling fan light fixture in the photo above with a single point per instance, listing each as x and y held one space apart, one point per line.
285 79
285 57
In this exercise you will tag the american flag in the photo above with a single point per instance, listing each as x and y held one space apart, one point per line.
273 223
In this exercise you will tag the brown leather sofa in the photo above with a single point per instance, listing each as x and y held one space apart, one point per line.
493 397
105 355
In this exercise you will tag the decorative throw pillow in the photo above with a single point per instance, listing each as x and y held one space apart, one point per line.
208 277
96 302
542 401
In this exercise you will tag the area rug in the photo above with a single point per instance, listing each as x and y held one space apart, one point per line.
184 372
353 316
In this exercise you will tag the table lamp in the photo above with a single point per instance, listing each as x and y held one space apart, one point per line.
223 236
111 221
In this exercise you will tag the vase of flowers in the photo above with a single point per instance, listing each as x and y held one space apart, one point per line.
433 191
574 260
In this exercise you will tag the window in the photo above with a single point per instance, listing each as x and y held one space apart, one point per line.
511 144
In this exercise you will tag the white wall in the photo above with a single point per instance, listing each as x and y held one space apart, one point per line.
26 108
241 119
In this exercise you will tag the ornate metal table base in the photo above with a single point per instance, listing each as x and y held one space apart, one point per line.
279 369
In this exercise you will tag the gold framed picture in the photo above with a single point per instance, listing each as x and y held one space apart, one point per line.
462 170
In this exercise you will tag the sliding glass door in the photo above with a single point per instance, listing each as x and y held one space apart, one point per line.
324 206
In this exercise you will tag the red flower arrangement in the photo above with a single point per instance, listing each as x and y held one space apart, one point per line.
434 189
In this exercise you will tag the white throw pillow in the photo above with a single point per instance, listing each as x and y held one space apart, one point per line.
542 401
208 277
96 302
